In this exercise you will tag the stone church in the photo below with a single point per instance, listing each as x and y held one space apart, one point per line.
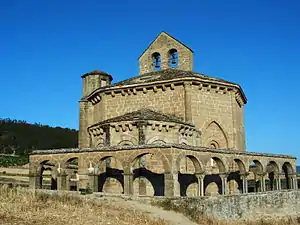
169 131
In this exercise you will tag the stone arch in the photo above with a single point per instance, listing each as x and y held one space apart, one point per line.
109 171
148 173
156 59
220 163
287 166
70 168
156 140
256 166
132 157
196 162
125 142
187 171
272 169
241 165
214 133
127 139
255 169
272 166
173 58
234 180
48 174
287 170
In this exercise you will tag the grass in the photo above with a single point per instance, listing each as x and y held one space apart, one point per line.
20 206
204 220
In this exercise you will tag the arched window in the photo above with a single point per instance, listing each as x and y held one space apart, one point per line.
156 61
173 58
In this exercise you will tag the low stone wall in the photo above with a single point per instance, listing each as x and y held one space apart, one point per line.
254 206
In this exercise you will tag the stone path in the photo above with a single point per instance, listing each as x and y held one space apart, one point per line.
173 218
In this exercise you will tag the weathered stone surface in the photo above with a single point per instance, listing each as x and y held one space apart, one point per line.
254 206
171 132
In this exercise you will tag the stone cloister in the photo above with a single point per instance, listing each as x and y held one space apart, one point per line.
169 131
164 170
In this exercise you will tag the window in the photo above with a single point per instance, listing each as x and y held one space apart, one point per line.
156 61
173 58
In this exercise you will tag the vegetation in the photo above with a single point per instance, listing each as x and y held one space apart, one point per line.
21 206
18 138
203 220
6 160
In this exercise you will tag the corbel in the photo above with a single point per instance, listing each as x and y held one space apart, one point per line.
145 90
134 91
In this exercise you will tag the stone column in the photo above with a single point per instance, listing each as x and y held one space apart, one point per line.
172 187
200 178
93 182
224 183
188 101
128 184
278 182
245 183
294 183
290 181
35 181
262 182
62 181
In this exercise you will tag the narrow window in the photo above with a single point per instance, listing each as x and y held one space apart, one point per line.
173 58
156 61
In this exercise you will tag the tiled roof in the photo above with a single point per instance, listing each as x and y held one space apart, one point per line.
144 114
167 74
96 72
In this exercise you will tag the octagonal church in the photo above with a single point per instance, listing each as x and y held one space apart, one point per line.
169 131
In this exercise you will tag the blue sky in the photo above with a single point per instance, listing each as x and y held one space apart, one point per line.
46 45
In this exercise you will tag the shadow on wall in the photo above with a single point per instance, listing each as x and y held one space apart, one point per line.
111 173
156 180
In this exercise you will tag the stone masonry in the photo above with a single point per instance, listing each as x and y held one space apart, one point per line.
167 132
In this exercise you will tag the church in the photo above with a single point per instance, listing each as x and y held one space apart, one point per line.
169 131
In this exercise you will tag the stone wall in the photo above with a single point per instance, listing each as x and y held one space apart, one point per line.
168 101
245 206
162 45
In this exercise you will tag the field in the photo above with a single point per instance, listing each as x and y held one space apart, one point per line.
22 206
19 206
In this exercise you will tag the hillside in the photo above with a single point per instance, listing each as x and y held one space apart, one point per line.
20 138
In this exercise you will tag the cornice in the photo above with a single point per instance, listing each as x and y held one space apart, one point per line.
217 86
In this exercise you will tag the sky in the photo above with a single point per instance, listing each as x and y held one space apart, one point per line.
45 46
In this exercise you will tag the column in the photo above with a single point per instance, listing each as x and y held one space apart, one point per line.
262 182
172 187
93 182
62 181
200 178
245 183
291 181
128 184
294 182
278 182
224 183
35 181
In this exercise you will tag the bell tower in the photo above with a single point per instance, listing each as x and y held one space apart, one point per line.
166 52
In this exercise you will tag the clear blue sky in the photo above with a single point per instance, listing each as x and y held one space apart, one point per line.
46 45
